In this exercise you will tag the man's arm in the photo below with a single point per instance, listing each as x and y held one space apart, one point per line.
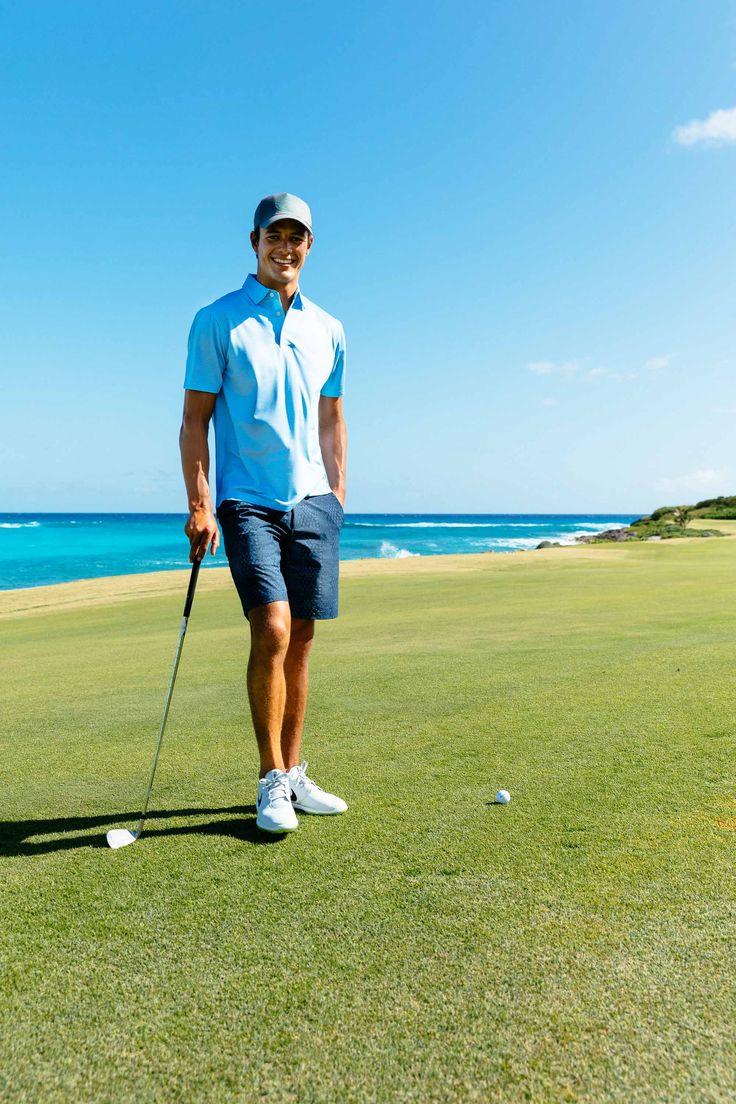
201 527
333 441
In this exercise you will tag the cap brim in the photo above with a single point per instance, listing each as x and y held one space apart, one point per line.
280 217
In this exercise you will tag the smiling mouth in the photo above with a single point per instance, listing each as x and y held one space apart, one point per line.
284 264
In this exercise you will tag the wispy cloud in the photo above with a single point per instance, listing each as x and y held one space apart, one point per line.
724 409
658 364
704 479
719 129
549 402
548 367
581 370
608 373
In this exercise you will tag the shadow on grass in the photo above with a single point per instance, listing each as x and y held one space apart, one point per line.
21 837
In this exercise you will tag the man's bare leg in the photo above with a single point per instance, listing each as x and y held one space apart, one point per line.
270 630
296 676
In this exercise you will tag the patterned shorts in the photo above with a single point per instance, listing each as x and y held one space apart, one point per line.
290 556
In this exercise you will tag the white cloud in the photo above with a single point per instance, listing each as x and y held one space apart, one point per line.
548 367
549 402
717 130
579 368
608 373
703 479
724 409
657 364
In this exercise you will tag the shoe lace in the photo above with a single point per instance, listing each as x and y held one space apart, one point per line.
309 783
278 789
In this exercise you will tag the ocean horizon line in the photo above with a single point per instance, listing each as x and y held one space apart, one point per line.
357 513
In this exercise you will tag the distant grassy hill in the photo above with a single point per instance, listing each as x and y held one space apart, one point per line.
667 522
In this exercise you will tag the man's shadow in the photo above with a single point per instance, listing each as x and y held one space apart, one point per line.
21 837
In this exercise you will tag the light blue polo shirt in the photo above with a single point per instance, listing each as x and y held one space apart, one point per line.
268 371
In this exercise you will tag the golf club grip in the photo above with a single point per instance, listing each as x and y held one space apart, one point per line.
192 586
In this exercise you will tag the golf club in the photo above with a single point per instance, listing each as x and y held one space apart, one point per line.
121 837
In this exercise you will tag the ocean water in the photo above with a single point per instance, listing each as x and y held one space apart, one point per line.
38 549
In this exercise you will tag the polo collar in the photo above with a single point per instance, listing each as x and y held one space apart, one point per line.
256 292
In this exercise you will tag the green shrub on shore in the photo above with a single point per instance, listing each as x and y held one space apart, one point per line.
723 507
647 529
671 522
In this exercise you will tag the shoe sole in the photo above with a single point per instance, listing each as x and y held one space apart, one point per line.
276 831
319 812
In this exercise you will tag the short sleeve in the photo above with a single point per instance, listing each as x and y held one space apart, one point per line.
335 385
206 353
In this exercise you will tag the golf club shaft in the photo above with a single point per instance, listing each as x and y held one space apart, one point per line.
182 633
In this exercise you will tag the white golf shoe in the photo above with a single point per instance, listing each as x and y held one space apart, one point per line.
308 797
274 812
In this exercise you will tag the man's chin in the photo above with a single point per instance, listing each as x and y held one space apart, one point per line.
284 275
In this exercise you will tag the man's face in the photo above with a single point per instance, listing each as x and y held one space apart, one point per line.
282 249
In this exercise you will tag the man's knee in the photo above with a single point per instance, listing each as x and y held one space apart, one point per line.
302 633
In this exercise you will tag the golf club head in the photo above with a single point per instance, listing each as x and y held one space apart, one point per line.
120 837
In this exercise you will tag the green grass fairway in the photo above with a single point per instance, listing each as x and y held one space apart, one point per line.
429 946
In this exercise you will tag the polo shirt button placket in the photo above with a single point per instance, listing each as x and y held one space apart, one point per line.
279 314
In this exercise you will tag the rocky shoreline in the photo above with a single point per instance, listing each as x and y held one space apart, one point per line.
664 523
630 533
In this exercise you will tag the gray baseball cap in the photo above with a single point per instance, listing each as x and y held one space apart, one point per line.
283 205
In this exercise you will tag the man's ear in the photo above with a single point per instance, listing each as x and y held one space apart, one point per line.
254 241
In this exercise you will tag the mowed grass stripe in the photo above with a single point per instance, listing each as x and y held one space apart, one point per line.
427 946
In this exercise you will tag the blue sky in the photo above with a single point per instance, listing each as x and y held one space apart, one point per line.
524 216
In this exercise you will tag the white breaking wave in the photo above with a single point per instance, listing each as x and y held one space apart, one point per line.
389 551
599 526
494 543
422 524
571 538
444 525
514 542
566 539
596 525
19 524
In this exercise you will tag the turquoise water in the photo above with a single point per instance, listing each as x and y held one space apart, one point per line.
37 549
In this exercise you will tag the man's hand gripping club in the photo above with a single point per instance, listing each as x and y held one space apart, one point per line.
201 528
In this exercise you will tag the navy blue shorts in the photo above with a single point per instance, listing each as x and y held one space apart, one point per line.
285 556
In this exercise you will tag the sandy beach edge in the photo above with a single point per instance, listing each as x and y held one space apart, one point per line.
112 589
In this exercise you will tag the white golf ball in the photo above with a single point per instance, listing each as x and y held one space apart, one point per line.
503 797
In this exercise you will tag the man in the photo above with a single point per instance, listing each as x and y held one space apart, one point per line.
270 365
